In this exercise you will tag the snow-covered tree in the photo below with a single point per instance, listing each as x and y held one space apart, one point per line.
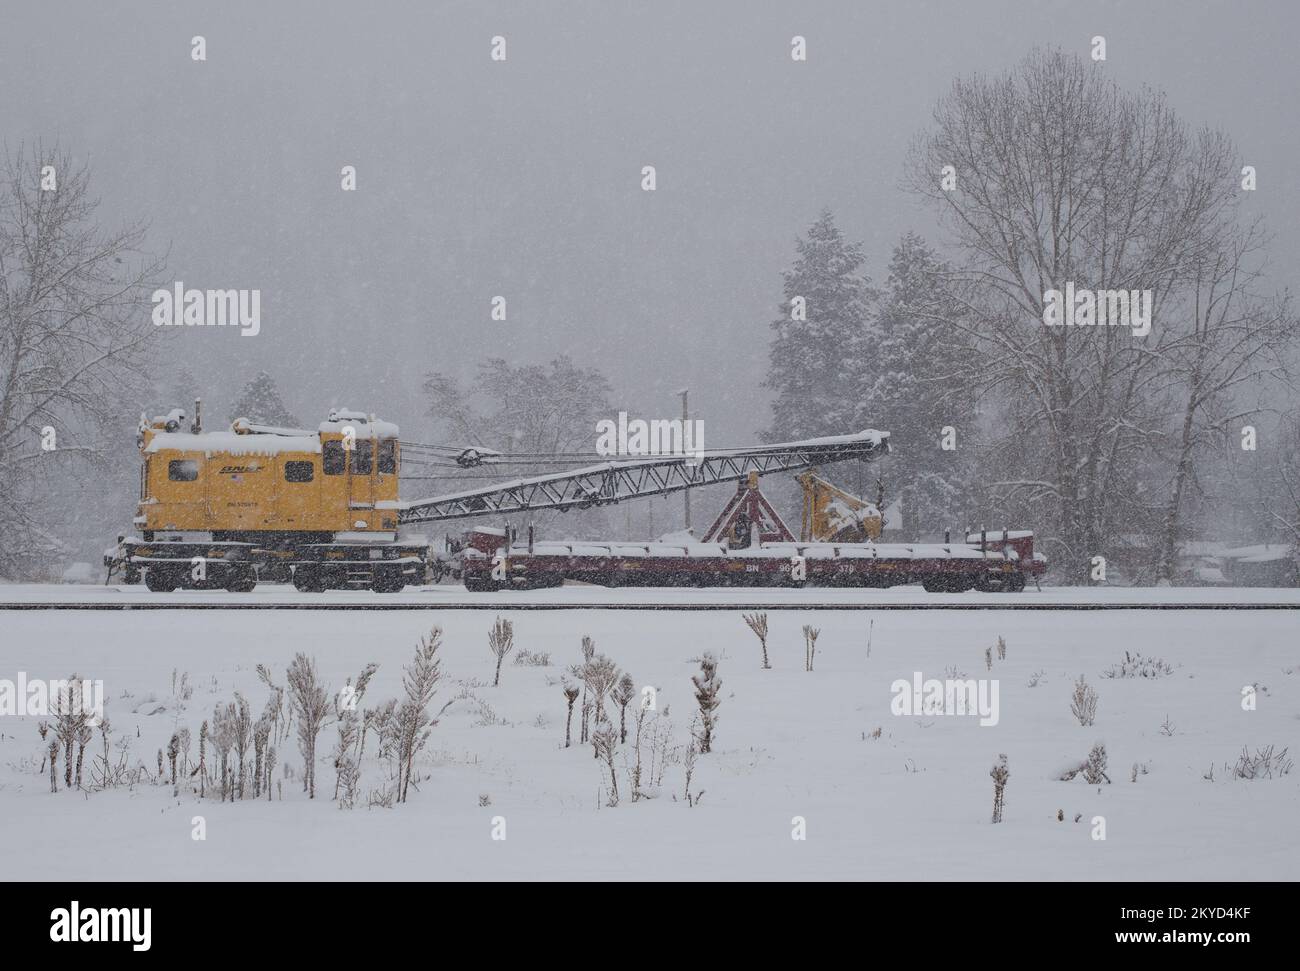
414 723
74 343
310 701
260 403
347 758
1282 503
708 687
544 411
501 641
1232 348
920 388
623 696
601 676
1064 178
819 338
1000 774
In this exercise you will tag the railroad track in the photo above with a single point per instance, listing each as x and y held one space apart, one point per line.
483 603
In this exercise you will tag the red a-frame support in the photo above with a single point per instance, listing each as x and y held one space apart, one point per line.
746 509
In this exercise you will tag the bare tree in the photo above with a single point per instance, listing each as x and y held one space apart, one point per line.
623 695
1232 344
173 750
707 688
274 705
605 740
84 737
1083 703
602 676
1062 177
223 738
74 329
309 699
758 624
243 734
1278 486
414 723
501 641
1000 774
530 410
1094 769
54 761
580 672
347 766
203 759
570 695
810 635
693 751
261 735
270 770
69 719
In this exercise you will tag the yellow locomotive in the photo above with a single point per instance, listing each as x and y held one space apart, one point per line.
221 509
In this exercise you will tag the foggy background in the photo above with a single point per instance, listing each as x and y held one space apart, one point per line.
523 178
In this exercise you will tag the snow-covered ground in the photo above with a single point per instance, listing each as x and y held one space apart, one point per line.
913 803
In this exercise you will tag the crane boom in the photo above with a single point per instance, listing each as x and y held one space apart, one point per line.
616 481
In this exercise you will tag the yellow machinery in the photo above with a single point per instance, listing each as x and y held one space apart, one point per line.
831 515
225 509
218 509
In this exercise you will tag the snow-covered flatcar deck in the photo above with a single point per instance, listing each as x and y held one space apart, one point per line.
579 596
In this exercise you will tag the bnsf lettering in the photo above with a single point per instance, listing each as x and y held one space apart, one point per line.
239 469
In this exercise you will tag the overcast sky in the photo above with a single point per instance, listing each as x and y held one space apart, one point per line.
522 178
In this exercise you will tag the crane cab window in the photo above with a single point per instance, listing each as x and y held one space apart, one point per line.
182 470
362 459
298 471
333 458
388 457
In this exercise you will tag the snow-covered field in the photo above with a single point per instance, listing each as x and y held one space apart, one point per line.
913 803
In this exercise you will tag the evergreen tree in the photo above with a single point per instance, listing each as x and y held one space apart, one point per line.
814 362
920 383
261 404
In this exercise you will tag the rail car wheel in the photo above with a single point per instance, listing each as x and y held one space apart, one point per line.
242 582
1002 583
388 583
159 581
308 580
480 585
952 583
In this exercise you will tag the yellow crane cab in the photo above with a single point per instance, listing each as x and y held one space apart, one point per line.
221 509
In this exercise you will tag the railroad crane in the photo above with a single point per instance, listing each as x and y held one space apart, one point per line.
221 510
